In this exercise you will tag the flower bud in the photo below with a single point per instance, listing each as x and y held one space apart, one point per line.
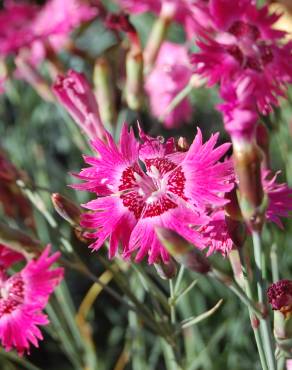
104 92
182 251
182 144
74 93
280 296
232 208
68 210
166 270
237 231
134 79
263 141
247 162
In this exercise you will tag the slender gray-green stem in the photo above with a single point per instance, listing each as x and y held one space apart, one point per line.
239 271
274 263
265 325
172 302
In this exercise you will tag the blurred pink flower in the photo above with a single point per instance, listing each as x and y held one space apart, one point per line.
171 190
75 94
279 197
177 9
280 296
243 44
23 297
239 110
289 364
169 76
24 24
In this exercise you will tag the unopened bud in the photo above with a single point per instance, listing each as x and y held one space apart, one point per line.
280 296
232 208
104 92
236 230
247 162
166 270
182 144
183 252
134 79
67 209
263 141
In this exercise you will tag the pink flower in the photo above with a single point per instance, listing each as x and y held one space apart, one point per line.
171 190
217 235
170 75
8 257
23 297
243 44
178 9
239 110
23 24
75 94
279 197
280 296
289 364
15 20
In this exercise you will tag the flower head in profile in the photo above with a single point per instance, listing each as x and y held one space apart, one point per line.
280 296
23 297
217 234
243 44
143 186
279 198
169 76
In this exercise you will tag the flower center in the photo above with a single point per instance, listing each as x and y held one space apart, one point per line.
248 51
11 294
154 192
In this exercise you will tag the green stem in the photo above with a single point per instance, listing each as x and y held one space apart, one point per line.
239 271
172 302
179 279
255 328
265 327
178 99
236 289
274 263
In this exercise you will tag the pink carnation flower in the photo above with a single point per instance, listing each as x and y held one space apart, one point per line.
23 297
170 75
240 115
23 24
171 190
74 93
242 44
279 196
217 235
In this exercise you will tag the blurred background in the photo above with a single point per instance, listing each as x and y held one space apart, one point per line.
41 139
